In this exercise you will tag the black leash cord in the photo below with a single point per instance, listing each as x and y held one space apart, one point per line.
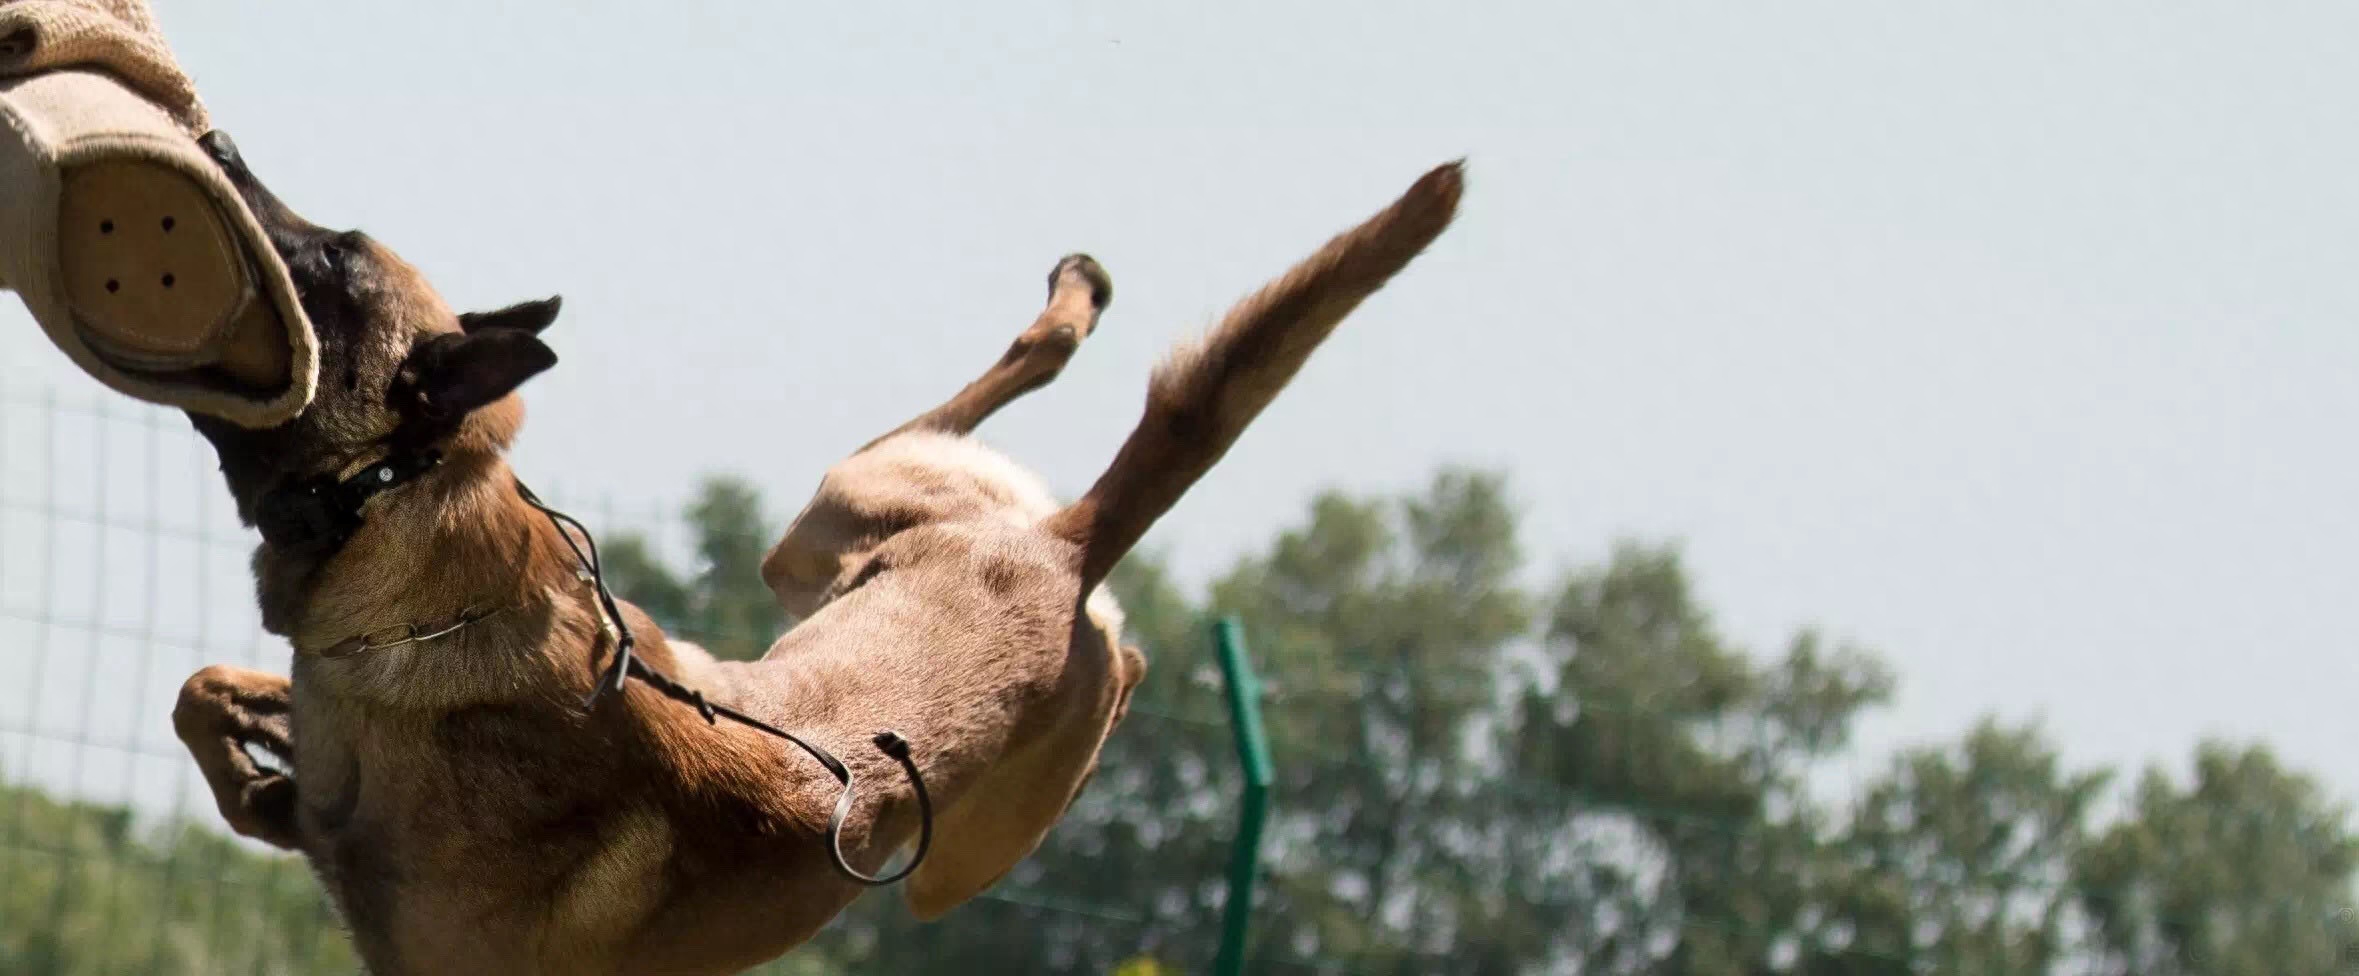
628 665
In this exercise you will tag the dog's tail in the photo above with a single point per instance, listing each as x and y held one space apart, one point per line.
1205 392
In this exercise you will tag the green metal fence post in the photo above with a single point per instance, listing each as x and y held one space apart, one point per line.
1253 752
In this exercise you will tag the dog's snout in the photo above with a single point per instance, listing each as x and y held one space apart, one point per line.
287 230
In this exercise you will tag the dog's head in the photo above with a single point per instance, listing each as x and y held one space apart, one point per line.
398 370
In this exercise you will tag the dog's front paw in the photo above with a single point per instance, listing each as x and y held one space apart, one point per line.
223 713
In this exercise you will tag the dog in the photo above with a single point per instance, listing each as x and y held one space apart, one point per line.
470 807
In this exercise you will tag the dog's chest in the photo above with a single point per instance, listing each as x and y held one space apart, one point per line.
476 845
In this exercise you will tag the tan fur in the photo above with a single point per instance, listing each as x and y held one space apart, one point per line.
930 471
469 815
1202 397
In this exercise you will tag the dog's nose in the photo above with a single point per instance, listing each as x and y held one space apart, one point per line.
287 229
224 152
218 145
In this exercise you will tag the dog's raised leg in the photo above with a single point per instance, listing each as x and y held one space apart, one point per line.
221 711
799 567
1078 292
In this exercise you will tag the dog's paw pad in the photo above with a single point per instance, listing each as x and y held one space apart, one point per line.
1083 271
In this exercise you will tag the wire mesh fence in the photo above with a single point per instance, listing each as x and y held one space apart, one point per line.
1637 823
121 572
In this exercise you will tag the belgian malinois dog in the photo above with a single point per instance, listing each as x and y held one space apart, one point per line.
468 802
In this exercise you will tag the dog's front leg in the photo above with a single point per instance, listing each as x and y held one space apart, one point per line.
221 711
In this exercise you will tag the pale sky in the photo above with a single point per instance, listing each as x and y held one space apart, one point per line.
2015 341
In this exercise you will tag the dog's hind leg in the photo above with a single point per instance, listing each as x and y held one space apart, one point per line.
1078 292
1203 396
223 710
812 552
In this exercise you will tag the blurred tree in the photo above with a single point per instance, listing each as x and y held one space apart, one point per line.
636 573
1384 627
721 603
735 613
2245 872
1615 790
85 892
1958 860
1689 762
1472 780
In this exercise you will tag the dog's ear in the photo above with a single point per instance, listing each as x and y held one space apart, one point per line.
529 316
456 372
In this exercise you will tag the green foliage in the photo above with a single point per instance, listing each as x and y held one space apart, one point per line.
1691 758
84 891
721 603
1477 775
1957 859
2244 872
1386 627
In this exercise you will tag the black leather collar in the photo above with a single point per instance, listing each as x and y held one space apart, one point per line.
319 514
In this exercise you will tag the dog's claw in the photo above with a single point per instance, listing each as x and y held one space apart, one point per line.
223 712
